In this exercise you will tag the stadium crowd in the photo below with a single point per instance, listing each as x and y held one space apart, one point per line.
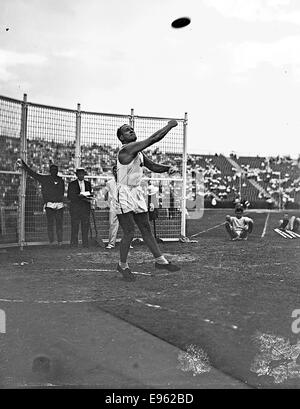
276 179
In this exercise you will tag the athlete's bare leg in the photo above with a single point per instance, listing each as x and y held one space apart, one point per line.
126 221
142 221
232 233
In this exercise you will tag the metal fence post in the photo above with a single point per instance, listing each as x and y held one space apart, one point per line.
131 118
78 138
22 191
184 175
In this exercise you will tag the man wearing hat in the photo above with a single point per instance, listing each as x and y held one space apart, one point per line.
53 189
80 195
238 227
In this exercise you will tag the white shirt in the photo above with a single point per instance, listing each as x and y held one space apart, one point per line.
239 224
81 185
55 205
131 174
111 187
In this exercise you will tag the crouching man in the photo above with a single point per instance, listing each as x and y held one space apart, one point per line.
238 227
289 223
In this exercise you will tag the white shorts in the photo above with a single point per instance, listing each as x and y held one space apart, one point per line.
130 199
239 231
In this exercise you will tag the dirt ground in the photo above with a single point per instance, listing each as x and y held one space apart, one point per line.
230 305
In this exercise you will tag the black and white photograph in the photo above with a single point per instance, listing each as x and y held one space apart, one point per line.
149 197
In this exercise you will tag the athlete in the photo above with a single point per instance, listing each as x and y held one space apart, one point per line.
238 227
289 223
131 204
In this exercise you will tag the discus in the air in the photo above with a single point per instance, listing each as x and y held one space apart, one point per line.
181 22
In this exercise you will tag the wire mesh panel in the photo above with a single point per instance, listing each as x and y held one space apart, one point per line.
51 139
99 150
9 205
166 199
10 126
99 142
68 138
168 151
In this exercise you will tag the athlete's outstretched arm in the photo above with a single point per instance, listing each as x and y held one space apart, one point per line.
156 167
31 173
130 150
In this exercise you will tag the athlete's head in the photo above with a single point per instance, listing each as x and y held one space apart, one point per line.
126 134
239 211
80 173
53 170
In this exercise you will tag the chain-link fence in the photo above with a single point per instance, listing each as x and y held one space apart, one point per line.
10 130
43 135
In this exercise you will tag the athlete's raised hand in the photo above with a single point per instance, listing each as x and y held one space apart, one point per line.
172 170
172 123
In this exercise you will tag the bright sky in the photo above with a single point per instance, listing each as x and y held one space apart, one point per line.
235 69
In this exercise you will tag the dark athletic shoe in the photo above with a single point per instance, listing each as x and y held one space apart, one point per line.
170 267
126 273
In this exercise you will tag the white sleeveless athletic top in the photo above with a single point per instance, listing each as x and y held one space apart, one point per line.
131 174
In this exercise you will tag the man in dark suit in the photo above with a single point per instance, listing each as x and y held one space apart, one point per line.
80 194
53 189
